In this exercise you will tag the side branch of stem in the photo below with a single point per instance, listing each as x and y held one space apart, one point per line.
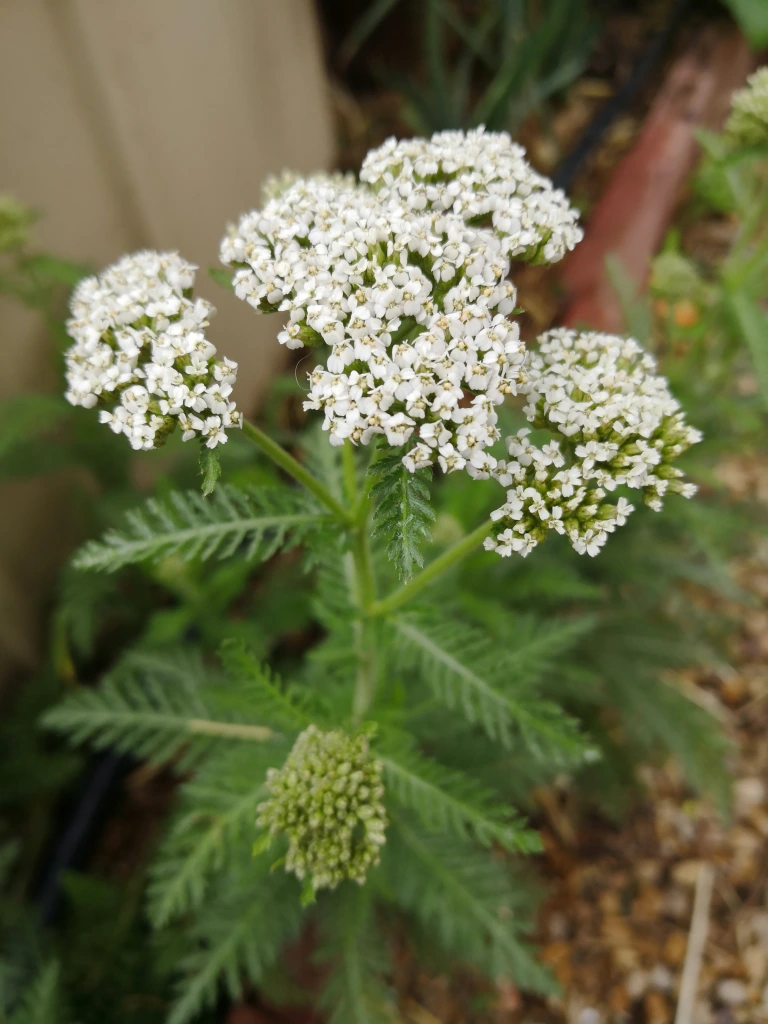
295 469
435 568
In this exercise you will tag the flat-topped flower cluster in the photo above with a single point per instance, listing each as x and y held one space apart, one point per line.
141 356
484 178
412 306
327 799
616 425
404 278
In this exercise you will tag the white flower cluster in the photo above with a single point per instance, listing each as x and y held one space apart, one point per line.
412 306
275 185
617 425
748 120
141 356
402 281
484 178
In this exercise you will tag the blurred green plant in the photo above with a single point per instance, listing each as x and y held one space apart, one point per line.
716 312
492 65
752 18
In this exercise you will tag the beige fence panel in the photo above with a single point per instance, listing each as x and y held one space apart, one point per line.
134 123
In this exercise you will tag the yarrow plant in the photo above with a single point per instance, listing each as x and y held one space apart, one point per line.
372 765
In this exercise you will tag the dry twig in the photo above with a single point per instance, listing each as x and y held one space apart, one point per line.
697 938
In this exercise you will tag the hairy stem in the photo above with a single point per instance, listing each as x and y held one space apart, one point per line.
295 469
431 572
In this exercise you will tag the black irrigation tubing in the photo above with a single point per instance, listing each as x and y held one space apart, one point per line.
83 824
649 60
103 775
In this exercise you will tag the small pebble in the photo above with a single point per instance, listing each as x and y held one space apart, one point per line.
589 1015
661 978
748 794
732 992
637 983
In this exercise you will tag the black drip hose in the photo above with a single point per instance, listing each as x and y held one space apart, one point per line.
649 59
90 805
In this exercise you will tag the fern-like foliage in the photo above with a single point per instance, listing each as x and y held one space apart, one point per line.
466 900
252 682
658 715
466 671
237 936
112 968
355 950
333 660
214 821
402 515
323 461
42 1002
158 707
254 523
85 600
450 801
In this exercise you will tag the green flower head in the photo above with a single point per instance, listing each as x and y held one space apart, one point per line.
327 800
748 121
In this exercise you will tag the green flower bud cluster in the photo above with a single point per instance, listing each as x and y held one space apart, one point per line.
748 121
327 800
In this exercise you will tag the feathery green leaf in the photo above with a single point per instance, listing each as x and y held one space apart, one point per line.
210 468
156 712
215 818
450 801
402 515
253 682
467 900
465 670
41 1003
357 952
237 936
256 523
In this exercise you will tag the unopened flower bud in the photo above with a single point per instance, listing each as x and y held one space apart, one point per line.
334 826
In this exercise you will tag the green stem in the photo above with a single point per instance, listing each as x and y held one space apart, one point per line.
432 571
348 472
361 552
365 628
295 469
363 588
